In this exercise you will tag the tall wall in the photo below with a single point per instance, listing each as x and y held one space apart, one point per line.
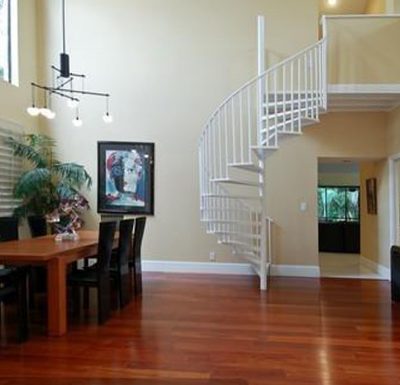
375 7
360 50
168 64
393 139
372 236
292 174
15 99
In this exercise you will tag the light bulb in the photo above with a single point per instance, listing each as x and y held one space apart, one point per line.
33 111
77 122
72 103
332 3
51 115
107 118
45 112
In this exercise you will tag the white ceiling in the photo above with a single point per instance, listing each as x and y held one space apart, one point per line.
343 7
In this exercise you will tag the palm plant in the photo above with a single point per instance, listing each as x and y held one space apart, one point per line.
47 182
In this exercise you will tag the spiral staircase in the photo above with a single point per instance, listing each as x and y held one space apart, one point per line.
237 140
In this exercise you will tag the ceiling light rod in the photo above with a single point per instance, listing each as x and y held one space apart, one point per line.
65 77
72 74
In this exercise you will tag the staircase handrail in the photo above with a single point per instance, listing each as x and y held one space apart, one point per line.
264 74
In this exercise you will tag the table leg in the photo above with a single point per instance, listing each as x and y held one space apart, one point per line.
56 297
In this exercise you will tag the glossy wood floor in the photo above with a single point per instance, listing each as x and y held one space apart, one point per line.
218 330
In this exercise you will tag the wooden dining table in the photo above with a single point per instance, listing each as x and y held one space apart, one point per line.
55 256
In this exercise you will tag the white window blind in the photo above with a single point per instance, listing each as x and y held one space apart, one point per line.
10 170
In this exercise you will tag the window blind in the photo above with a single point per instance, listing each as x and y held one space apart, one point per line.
10 170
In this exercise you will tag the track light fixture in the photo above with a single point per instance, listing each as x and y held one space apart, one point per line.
63 86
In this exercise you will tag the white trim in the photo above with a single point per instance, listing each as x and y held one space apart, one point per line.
382 271
227 268
363 16
308 271
364 88
393 215
198 267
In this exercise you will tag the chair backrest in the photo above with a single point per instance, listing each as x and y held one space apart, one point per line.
125 241
38 226
138 237
8 229
106 240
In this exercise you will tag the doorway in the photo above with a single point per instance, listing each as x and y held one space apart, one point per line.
395 200
340 193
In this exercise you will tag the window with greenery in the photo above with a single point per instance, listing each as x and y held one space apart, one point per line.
337 203
7 28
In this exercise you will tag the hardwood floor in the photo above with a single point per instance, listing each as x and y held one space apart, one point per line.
219 330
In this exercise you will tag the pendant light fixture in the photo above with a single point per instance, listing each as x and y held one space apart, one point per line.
63 86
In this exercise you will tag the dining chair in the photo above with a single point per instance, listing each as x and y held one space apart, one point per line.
120 271
37 226
8 229
395 273
13 285
135 263
99 276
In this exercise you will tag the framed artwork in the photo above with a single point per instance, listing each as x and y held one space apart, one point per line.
372 206
125 178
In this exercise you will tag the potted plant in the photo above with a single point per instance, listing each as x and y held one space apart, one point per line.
49 188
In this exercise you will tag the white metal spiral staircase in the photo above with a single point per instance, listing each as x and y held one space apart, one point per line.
239 136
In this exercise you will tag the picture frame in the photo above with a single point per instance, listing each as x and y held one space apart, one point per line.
372 205
125 178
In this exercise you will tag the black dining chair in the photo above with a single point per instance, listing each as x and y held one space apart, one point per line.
135 263
38 274
37 226
99 276
8 229
13 285
395 273
120 271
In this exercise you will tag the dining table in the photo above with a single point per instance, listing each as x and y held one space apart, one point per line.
55 256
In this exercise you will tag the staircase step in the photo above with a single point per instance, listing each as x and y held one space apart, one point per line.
287 96
247 167
249 236
283 114
254 259
308 121
221 221
230 196
237 182
239 244
262 151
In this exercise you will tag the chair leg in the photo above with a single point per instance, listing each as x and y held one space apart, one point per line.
138 275
103 300
22 309
124 289
76 299
86 298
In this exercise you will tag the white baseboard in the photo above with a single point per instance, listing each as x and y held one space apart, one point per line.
308 271
227 268
381 270
198 267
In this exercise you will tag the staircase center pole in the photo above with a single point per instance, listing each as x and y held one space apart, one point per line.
261 98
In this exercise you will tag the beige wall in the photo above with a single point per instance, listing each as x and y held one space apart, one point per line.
361 51
369 222
375 7
338 179
393 139
167 64
340 135
15 100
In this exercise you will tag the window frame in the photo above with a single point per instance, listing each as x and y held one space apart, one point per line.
346 218
12 44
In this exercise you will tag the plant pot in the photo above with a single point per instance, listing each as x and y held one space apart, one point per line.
37 225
